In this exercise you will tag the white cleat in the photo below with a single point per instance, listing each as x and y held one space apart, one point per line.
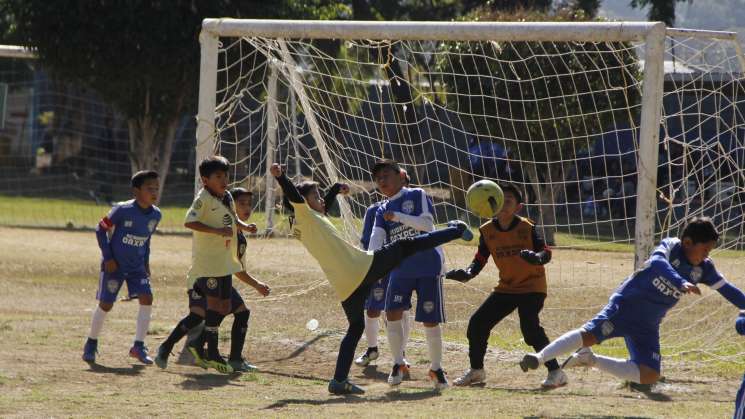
582 358
439 378
555 379
366 358
470 377
397 375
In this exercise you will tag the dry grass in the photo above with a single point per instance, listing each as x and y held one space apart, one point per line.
49 280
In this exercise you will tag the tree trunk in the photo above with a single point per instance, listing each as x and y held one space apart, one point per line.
151 146
547 216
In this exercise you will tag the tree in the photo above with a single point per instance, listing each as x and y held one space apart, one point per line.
141 56
659 10
540 93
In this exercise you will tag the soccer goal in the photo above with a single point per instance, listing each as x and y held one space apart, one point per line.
616 131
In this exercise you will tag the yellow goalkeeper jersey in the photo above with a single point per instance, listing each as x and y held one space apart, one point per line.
345 266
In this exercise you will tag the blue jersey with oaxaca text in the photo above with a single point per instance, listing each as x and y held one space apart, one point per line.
124 235
652 294
367 225
415 202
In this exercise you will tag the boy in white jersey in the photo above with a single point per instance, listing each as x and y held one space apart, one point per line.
375 303
349 269
406 213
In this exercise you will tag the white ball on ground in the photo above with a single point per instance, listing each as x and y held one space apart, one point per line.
312 325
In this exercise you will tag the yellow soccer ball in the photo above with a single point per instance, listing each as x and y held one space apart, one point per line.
485 198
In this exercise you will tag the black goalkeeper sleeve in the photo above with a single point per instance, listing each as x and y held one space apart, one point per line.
330 197
539 247
289 189
480 258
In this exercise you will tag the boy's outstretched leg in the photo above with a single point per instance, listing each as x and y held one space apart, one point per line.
564 344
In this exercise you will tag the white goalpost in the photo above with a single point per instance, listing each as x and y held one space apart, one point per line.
616 132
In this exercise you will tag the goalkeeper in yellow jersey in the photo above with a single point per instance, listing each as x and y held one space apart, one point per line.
349 269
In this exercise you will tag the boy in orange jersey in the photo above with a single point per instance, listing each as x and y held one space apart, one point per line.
519 253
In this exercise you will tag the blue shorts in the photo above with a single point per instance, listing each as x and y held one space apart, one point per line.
430 306
740 402
619 320
376 299
197 299
110 283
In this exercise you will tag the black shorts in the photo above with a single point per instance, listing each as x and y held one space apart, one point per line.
218 287
196 299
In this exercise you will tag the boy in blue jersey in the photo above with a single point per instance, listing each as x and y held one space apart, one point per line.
408 212
740 398
375 302
198 303
124 238
637 307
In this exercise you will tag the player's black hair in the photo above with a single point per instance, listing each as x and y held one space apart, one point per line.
213 164
143 175
514 190
407 178
385 164
700 230
238 192
303 189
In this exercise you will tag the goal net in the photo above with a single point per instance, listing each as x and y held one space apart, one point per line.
615 132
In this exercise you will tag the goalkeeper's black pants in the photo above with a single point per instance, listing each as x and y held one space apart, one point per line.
495 308
384 261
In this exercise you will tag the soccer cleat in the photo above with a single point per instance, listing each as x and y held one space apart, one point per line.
219 365
241 365
529 362
439 378
555 379
466 233
470 377
397 375
344 387
370 355
90 350
200 359
139 352
161 359
582 358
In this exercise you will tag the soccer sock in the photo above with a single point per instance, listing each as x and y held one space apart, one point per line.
238 334
624 369
211 327
406 323
564 344
395 332
97 322
143 322
372 327
434 343
182 328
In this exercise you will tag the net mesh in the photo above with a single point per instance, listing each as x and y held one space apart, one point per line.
558 119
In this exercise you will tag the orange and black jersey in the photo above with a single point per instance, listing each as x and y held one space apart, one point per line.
516 276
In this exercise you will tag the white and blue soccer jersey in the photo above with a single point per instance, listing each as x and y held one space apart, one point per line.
124 235
367 225
637 307
411 202
657 292
421 271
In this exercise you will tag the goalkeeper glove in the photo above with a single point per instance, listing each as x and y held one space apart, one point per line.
460 275
535 258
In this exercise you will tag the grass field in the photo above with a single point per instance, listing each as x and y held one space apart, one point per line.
49 286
